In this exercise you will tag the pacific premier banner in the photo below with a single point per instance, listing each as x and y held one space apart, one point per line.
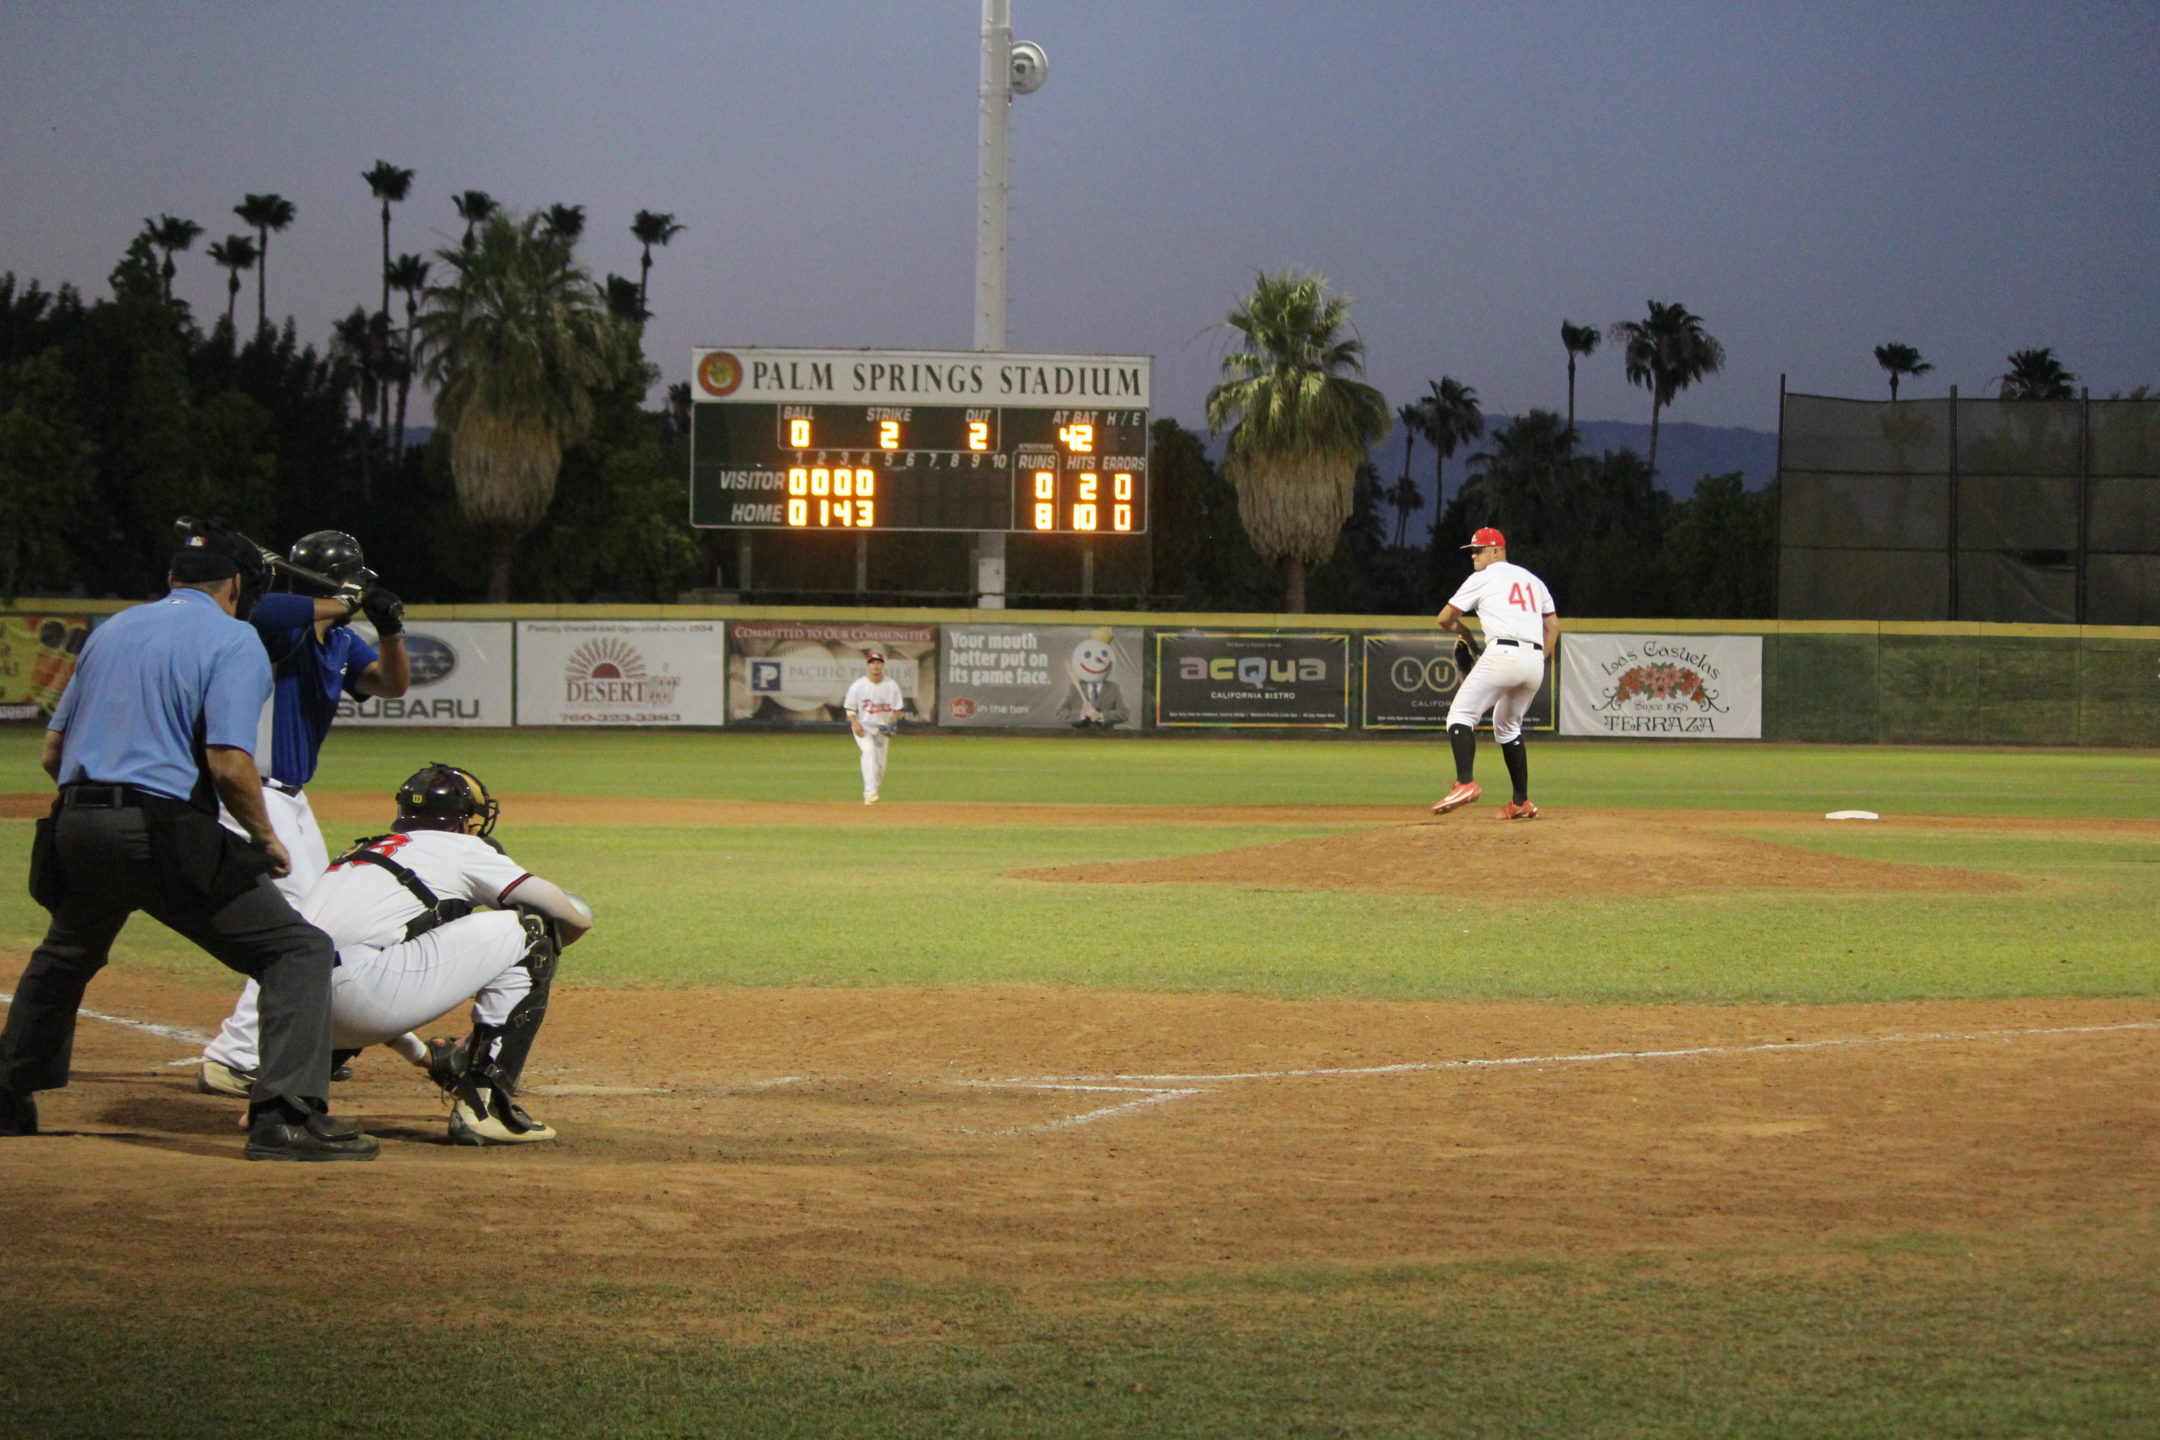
621 672
1042 677
1411 680
1706 686
461 675
1212 678
781 673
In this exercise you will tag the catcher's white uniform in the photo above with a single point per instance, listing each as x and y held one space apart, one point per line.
876 706
385 984
1511 604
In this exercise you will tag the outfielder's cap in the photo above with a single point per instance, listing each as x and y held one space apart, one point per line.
1485 537
877 655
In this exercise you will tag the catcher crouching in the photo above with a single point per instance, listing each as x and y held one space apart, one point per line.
403 911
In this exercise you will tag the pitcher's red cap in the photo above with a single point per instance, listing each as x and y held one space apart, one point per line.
1484 537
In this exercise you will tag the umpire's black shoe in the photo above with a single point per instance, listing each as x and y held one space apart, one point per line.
282 1132
18 1114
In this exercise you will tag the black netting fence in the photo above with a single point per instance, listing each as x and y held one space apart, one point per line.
2044 511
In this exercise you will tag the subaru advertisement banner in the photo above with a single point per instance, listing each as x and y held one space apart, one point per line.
1042 677
1237 678
1411 680
621 672
461 675
785 673
1699 686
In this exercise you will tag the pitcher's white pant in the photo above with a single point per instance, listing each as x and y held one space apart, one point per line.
1505 680
378 995
872 743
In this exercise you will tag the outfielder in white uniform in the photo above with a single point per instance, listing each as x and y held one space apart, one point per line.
401 910
1520 629
873 706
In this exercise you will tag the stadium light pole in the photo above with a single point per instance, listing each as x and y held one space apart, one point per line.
1007 70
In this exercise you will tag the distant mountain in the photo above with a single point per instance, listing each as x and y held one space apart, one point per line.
1686 453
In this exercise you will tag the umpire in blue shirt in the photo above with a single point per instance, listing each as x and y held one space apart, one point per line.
159 724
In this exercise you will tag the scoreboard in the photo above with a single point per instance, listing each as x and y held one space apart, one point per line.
919 440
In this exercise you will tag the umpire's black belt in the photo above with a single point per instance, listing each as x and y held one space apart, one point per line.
1531 643
88 795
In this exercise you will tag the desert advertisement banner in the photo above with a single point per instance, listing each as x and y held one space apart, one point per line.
1701 686
1042 677
1411 680
37 655
620 672
461 675
783 673
1215 678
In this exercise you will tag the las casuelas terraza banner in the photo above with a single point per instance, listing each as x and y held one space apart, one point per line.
1210 678
1685 686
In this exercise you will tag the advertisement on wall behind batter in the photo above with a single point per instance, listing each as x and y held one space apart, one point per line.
781 673
1411 680
461 675
620 672
37 658
1042 677
1696 686
1230 679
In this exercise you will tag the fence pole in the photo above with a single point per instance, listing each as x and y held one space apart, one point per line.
2084 498
1953 526
1777 512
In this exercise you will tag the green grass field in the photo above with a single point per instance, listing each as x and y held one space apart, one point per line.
2017 1333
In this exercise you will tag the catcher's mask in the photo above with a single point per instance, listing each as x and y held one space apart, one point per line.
332 554
443 797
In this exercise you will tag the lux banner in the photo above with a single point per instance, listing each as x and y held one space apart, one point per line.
1411 680
1707 686
1210 678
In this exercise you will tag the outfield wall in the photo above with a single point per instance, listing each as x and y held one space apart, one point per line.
1843 682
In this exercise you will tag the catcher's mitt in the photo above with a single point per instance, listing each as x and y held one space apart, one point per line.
1467 651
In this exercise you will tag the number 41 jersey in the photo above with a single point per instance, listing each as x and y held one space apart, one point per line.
1509 601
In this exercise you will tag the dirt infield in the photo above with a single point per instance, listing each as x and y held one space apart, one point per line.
715 1138
718 1138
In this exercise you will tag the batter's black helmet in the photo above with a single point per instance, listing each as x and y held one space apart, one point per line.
329 553
443 797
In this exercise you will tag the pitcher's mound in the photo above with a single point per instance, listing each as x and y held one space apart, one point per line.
1474 854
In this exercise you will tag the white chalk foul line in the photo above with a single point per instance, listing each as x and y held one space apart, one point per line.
1159 1087
1148 1096
170 1032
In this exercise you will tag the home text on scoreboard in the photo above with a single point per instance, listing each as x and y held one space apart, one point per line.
919 440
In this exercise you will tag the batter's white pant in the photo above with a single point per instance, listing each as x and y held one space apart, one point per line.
1505 680
872 743
292 820
379 994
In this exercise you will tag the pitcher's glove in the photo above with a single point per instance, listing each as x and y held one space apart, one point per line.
1467 651
384 611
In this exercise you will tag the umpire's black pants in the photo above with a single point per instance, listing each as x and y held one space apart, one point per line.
112 870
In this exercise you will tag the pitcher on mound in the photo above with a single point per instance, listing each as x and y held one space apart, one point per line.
1520 629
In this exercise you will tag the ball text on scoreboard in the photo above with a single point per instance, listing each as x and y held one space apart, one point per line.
919 440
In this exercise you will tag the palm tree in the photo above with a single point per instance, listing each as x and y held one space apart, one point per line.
1412 418
1451 415
390 185
516 346
1405 496
2037 375
624 301
170 233
1298 424
363 340
1900 360
1666 353
474 207
408 276
651 227
564 222
235 253
266 213
1580 340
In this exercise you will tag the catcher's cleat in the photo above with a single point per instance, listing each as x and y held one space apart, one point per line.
1522 811
495 1120
215 1079
1463 794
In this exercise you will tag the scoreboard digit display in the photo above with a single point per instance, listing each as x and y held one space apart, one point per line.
919 440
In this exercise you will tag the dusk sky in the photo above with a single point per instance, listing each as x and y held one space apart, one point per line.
1813 180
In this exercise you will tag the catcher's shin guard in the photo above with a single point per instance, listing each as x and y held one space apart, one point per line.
543 949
